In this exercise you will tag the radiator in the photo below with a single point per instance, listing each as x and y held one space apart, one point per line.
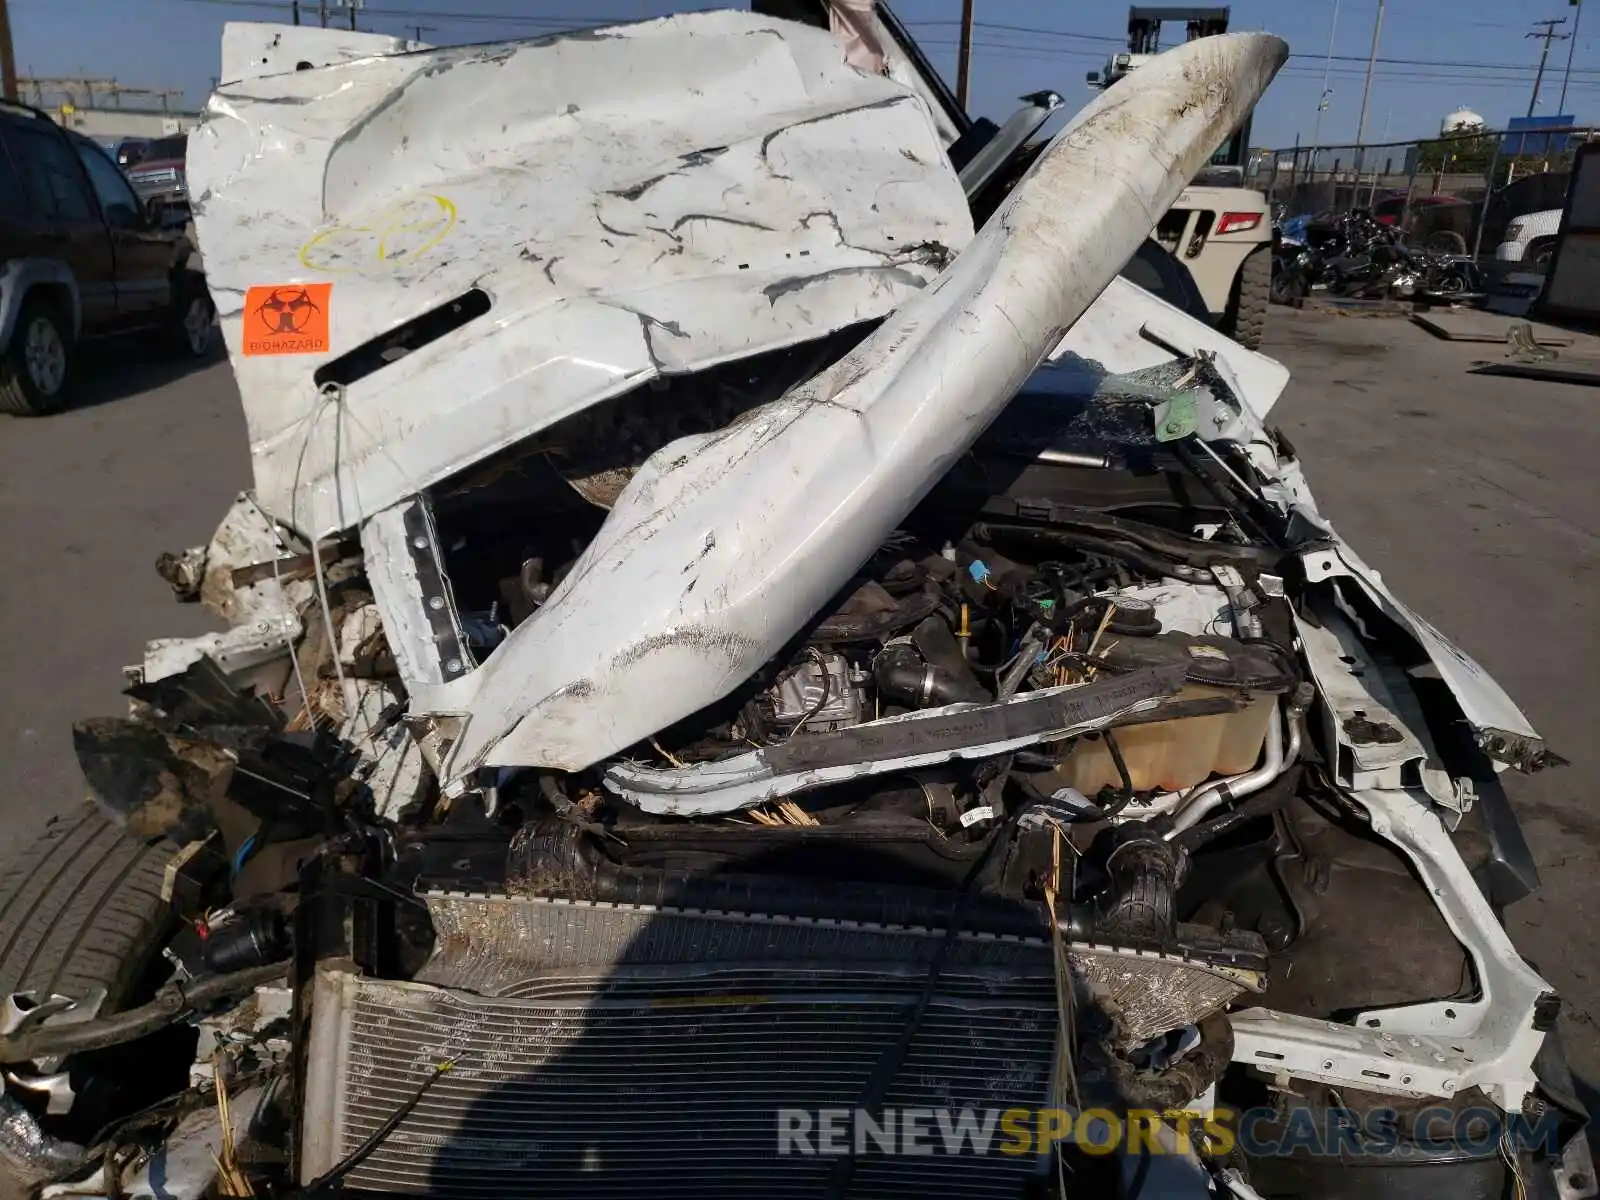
617 1051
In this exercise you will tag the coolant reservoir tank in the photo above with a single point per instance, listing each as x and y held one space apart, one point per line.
1173 755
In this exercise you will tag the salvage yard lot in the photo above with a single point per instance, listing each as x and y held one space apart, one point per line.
1474 495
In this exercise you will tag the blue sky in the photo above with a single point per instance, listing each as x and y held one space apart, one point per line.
1450 53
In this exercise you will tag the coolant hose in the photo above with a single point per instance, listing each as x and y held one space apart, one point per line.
906 677
171 1003
1274 758
938 645
1142 894
1264 803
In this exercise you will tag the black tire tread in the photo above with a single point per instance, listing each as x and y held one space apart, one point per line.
1247 318
81 909
14 397
184 285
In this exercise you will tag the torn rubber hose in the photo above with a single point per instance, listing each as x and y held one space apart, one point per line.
171 1003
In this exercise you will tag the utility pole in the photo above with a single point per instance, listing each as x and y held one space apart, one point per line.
417 29
322 13
1549 35
294 9
1322 100
1366 88
1572 44
964 65
8 62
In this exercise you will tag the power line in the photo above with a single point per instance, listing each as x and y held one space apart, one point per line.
1496 76
587 21
1351 58
590 20
1085 37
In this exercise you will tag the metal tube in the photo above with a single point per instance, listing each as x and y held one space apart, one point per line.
1488 195
1073 458
1274 758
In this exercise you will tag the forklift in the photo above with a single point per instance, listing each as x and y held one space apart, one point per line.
1219 230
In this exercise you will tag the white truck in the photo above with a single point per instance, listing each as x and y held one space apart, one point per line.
1531 239
1219 230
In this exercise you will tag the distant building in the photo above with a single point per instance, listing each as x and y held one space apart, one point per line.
114 124
1463 120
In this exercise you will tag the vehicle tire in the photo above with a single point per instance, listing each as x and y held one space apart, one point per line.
1446 241
192 323
36 368
81 909
1245 320
1283 289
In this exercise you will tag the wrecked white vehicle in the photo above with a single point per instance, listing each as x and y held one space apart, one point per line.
744 614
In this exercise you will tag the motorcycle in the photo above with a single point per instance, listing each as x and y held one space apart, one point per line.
1297 266
1362 258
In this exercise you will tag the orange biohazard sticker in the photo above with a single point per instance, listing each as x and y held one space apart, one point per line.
287 318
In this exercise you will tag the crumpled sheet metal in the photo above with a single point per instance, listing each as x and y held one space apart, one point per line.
263 617
723 545
1152 993
252 49
636 200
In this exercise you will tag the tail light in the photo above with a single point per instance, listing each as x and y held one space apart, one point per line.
1236 222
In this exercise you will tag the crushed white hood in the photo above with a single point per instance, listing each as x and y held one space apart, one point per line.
723 545
634 201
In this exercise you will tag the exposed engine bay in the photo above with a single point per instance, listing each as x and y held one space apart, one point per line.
940 694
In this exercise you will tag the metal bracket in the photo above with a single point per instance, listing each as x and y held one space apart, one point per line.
57 1090
21 1011
438 602
1432 1049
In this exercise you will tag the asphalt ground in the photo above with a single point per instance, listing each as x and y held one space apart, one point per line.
1475 496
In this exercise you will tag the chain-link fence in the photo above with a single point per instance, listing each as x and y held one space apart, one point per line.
1457 193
